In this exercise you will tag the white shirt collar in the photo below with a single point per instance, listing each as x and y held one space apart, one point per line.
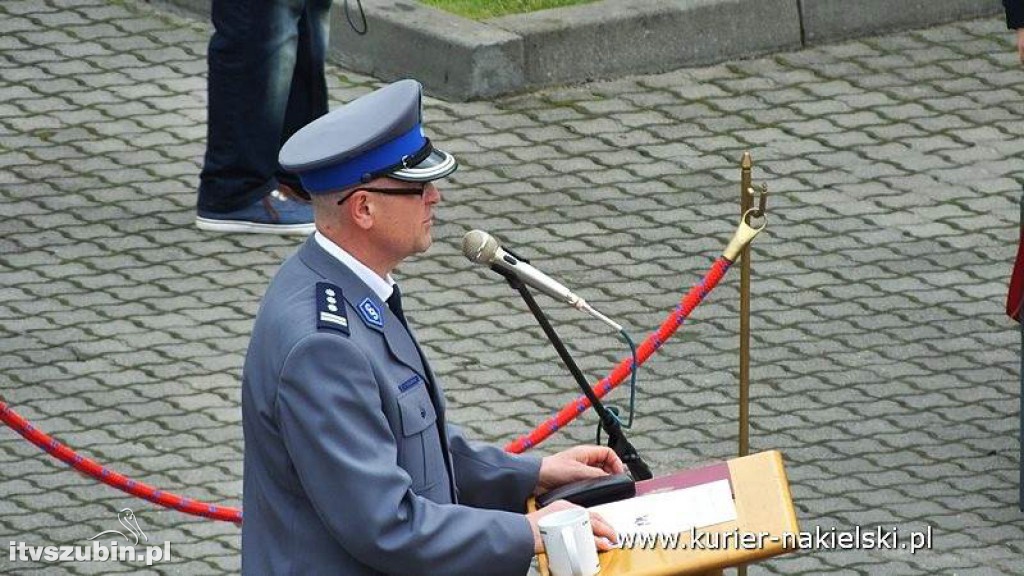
382 287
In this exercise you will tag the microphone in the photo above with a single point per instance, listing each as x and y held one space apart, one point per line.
482 248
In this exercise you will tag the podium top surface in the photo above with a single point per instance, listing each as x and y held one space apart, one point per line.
764 510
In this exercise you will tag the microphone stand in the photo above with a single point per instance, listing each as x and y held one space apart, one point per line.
616 437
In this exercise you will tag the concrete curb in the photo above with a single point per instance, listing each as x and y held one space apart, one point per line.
461 59
827 21
615 37
453 57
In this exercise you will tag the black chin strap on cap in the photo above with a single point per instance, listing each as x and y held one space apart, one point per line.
406 162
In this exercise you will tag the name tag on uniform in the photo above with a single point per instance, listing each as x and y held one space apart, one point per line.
410 383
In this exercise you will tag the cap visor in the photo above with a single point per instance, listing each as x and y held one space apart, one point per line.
438 165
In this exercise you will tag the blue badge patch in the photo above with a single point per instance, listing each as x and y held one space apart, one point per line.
371 313
330 309
410 383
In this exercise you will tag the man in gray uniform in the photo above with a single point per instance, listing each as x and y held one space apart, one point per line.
350 465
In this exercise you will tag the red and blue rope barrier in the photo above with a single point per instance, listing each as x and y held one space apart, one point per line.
622 371
567 414
745 232
93 469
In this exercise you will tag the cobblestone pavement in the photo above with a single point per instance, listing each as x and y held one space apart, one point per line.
883 366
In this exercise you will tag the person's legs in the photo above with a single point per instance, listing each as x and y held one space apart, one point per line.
308 98
252 59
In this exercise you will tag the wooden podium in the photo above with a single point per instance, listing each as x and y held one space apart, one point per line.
763 504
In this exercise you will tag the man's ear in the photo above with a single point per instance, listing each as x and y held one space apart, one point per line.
361 209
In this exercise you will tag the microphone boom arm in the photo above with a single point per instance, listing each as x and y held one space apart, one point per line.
609 423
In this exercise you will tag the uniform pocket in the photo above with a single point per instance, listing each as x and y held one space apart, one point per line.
417 411
419 451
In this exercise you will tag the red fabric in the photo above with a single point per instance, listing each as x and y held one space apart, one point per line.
1015 297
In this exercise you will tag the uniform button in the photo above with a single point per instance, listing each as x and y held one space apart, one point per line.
332 300
329 292
332 307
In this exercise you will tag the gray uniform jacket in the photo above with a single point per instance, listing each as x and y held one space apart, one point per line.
350 468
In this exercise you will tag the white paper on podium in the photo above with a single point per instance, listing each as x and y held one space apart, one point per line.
674 511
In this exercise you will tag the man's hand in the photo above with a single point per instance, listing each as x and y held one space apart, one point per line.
577 463
604 535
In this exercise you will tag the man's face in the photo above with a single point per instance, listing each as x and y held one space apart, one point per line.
403 225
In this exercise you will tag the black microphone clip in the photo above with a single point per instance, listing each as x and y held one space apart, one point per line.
617 441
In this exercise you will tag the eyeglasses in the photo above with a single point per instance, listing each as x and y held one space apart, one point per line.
407 191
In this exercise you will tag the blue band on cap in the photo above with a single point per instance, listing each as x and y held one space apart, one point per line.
351 171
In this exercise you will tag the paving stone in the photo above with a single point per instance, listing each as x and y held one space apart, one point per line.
882 368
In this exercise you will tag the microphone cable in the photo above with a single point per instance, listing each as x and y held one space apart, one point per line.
612 408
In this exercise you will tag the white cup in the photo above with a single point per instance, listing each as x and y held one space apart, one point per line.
569 543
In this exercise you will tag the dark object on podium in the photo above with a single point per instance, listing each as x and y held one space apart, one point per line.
592 492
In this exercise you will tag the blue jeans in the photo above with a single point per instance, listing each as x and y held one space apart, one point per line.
266 80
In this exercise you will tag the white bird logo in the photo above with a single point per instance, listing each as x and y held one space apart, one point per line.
127 519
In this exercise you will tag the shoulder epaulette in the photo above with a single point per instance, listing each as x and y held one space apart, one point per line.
330 308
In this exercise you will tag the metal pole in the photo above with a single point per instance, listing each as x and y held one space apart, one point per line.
746 200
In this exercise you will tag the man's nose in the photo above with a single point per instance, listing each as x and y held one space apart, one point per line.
431 195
